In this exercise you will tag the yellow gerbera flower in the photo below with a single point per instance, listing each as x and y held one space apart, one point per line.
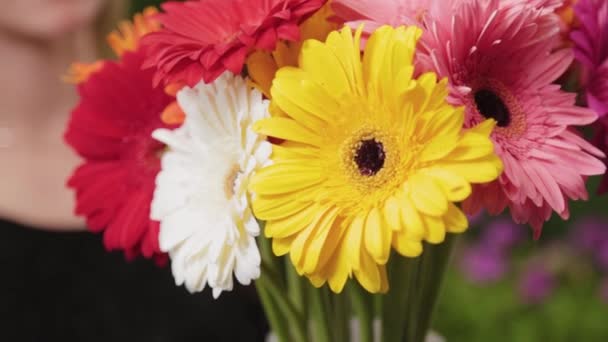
372 158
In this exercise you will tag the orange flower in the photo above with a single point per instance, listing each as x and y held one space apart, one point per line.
173 114
128 34
80 72
125 38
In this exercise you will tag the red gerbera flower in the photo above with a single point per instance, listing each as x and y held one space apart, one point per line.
202 39
111 129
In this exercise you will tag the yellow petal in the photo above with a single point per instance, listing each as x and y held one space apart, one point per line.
377 237
334 240
297 151
352 241
438 98
455 220
303 99
384 287
427 195
392 213
281 247
472 146
376 61
406 246
426 84
455 187
388 50
435 229
403 82
277 207
482 170
484 128
438 147
300 246
445 121
338 278
368 274
316 280
323 66
411 219
326 237
292 224
347 50
339 269
284 178
287 129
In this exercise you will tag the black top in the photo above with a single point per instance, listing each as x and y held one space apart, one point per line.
66 287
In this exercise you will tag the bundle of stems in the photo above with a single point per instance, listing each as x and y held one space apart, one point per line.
299 312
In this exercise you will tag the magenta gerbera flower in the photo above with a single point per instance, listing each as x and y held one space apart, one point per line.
111 128
591 50
202 39
500 60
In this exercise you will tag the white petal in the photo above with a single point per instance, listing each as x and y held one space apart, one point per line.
208 230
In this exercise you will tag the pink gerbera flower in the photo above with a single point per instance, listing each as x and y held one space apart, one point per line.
500 60
375 13
202 39
591 50
111 129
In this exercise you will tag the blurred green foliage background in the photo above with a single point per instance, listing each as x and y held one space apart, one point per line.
138 5
494 311
576 309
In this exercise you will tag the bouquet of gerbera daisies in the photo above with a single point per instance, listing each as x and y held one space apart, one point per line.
325 149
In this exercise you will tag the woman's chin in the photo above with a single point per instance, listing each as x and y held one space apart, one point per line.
55 19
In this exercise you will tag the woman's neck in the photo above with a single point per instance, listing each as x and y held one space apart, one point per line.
35 67
34 109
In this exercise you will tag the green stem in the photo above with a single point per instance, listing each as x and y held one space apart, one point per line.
415 283
341 317
320 316
277 324
433 264
272 262
286 308
296 288
362 305
396 304
413 300
282 315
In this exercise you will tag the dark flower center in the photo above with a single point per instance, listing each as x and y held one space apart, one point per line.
491 106
370 157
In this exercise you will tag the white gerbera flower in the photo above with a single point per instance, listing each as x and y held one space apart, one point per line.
201 199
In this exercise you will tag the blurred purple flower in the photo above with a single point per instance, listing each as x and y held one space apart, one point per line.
601 256
590 235
476 218
482 265
536 284
502 234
